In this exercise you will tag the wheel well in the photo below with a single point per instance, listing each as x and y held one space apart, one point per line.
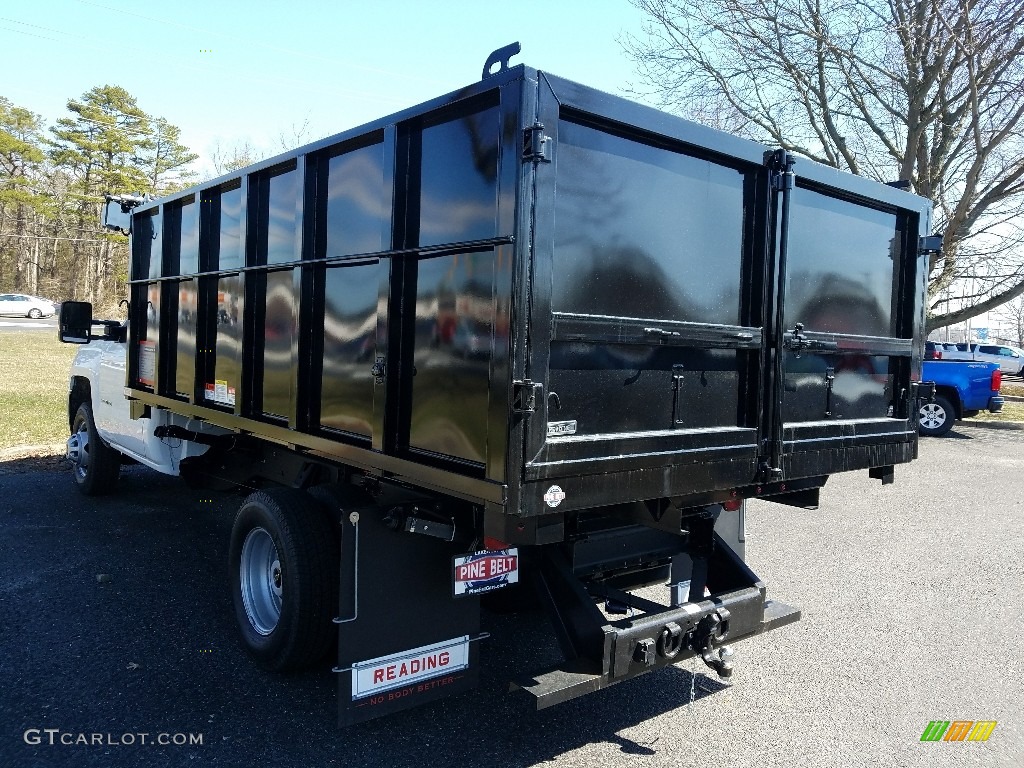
953 396
78 393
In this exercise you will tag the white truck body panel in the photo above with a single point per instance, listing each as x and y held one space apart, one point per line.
102 363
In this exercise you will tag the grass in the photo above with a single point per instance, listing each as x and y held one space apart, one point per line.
1010 412
1013 389
33 391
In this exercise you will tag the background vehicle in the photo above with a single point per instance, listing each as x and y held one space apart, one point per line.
962 389
23 305
526 332
1009 360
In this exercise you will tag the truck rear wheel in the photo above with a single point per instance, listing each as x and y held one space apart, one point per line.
284 579
936 418
96 465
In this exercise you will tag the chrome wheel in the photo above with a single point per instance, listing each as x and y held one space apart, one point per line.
933 416
78 449
261 581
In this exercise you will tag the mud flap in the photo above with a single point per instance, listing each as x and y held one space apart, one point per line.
403 639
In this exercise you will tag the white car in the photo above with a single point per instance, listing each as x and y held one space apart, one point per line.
1010 361
22 305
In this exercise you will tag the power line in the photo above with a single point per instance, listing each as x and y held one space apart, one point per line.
294 84
259 43
47 237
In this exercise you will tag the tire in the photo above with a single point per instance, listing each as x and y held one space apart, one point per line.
283 565
96 466
936 418
34 313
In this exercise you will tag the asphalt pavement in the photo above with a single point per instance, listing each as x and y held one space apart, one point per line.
115 621
28 324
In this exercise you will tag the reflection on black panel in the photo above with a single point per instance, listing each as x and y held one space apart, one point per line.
828 387
230 253
840 266
454 336
609 388
282 198
459 194
279 333
645 232
189 249
147 245
228 348
185 361
350 331
358 207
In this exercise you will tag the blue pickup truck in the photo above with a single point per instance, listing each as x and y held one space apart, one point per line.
962 389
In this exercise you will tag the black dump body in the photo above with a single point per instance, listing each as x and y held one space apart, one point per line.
540 298
531 313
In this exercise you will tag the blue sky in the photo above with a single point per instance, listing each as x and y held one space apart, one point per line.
228 71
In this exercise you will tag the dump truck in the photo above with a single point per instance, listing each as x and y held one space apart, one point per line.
527 340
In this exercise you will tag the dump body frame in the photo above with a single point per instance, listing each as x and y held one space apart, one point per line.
759 452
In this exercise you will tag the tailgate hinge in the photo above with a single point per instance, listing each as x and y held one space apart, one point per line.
781 165
536 146
525 394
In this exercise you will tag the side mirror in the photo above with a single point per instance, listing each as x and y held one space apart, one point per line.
75 322
117 213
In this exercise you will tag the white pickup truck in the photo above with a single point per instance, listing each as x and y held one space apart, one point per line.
1009 359
103 433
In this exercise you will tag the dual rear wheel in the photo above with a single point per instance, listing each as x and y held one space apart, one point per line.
284 567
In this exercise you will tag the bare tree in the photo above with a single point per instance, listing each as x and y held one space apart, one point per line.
224 160
295 136
926 91
1012 315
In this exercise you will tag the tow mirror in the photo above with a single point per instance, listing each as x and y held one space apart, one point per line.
75 322
117 213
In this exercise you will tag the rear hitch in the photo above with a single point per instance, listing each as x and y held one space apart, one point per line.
601 651
712 629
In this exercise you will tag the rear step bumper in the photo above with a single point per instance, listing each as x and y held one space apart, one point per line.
579 676
600 652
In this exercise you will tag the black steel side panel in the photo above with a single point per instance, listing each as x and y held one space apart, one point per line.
381 298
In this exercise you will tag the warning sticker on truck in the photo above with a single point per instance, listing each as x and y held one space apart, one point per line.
220 392
401 669
147 363
485 571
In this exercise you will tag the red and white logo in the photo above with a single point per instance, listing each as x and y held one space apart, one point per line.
401 669
485 570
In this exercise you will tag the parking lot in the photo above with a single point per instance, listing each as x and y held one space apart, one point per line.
912 598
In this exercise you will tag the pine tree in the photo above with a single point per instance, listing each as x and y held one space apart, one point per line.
102 148
21 155
168 159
